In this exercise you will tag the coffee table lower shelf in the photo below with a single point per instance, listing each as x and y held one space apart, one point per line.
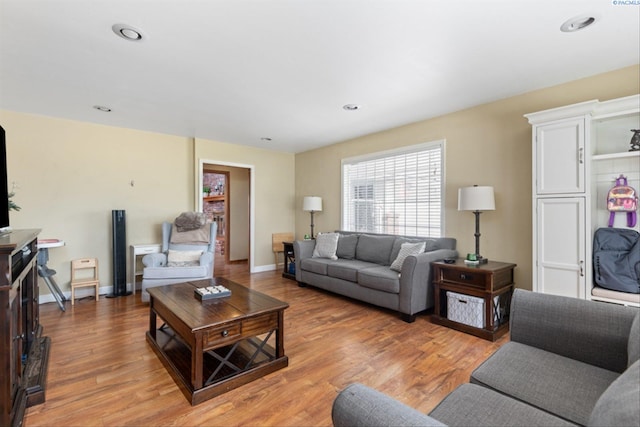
225 368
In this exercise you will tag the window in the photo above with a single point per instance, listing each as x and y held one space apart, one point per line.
395 192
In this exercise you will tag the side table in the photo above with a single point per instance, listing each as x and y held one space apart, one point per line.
289 258
492 282
134 252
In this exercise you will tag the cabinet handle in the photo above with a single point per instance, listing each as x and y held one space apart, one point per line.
581 268
18 337
224 333
581 155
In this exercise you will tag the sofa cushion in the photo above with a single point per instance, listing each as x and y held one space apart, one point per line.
315 265
373 248
619 405
347 246
472 405
380 278
554 383
405 250
347 269
326 246
633 348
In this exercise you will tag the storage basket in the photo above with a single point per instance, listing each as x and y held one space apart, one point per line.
465 309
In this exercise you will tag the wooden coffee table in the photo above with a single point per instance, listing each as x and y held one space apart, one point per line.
210 347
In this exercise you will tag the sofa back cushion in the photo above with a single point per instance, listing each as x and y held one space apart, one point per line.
633 348
619 405
347 246
373 248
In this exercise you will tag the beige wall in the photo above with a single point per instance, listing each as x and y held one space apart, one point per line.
70 175
487 145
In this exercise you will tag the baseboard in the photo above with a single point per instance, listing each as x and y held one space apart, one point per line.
80 293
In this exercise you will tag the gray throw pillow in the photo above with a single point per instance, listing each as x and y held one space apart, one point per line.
347 246
405 250
326 246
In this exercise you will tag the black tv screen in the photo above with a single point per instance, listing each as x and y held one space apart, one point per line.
4 189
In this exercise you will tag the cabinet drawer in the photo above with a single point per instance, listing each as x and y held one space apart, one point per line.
476 279
216 337
260 325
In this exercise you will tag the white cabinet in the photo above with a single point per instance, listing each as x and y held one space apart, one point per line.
578 151
560 157
561 248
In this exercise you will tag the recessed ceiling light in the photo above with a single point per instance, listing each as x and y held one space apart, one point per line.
351 107
102 108
577 23
128 32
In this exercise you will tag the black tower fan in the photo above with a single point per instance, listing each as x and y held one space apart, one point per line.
119 240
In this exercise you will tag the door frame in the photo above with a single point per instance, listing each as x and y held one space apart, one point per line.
198 199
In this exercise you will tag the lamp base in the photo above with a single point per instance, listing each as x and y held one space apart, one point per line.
475 259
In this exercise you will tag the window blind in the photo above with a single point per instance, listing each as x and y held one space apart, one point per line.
397 192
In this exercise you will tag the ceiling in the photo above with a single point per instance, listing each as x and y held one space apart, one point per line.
240 71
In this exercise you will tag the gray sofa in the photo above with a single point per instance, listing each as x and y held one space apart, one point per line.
569 362
362 270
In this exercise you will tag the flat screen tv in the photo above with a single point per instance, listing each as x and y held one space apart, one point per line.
4 190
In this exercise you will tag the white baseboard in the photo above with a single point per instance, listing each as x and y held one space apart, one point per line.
262 268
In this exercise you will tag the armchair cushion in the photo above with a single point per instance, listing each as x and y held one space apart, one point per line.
183 258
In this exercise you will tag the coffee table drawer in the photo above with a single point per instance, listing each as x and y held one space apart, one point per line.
260 324
216 337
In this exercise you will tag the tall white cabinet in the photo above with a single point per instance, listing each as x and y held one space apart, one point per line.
578 152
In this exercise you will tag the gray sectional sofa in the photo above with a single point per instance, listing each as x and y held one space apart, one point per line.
569 362
362 269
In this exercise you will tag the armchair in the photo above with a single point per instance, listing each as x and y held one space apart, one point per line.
157 272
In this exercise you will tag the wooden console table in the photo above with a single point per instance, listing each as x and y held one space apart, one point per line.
492 282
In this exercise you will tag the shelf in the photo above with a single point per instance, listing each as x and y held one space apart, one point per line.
219 198
623 155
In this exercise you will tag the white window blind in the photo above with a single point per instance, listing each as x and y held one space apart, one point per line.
396 192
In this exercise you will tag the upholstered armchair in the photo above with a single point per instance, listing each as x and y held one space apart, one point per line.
181 260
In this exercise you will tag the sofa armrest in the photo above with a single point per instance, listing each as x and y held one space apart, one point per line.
359 405
416 280
302 249
591 332
154 260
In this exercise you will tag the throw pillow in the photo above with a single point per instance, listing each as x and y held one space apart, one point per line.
326 246
405 250
183 258
347 246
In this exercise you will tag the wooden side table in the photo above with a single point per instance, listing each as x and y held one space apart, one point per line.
492 282
289 258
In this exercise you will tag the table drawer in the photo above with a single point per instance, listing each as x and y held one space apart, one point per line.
215 337
260 324
476 279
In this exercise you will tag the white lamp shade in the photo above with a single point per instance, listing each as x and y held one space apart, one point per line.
312 203
476 199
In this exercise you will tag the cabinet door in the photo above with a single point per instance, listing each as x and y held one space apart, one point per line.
560 157
560 247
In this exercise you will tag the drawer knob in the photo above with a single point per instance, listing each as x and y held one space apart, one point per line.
463 276
224 333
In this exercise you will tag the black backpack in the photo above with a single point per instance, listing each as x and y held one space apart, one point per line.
616 259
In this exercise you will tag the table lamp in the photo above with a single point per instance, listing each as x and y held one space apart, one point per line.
476 199
312 204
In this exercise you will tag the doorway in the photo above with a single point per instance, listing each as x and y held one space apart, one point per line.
229 203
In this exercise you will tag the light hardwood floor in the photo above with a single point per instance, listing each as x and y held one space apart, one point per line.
102 372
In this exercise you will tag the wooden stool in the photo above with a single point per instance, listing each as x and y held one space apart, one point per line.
79 282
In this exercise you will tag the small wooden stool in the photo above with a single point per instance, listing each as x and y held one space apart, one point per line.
79 282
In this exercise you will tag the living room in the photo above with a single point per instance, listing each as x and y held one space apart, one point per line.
69 174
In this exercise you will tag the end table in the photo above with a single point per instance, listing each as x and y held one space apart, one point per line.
492 282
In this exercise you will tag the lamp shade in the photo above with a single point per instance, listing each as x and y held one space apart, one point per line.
476 199
312 203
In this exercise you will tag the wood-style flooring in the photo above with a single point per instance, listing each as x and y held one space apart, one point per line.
102 372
